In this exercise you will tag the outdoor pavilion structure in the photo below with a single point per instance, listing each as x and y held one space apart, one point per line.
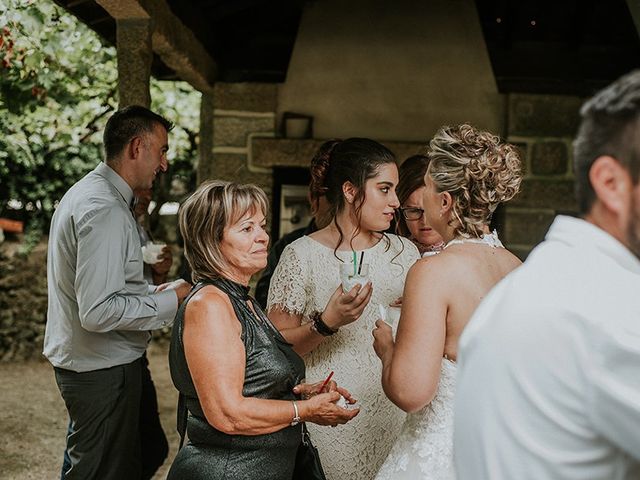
391 71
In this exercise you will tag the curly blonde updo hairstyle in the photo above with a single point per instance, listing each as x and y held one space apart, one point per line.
478 170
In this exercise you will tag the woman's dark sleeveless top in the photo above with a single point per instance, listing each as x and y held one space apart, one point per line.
272 369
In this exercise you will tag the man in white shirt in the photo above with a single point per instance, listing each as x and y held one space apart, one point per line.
549 376
100 307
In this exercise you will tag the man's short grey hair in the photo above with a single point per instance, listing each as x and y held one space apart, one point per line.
609 127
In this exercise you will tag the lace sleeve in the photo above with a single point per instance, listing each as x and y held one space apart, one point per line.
288 284
411 253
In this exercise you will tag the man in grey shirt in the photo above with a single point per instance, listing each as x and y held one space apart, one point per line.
100 307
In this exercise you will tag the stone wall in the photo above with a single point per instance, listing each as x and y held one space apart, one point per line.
243 111
543 127
23 301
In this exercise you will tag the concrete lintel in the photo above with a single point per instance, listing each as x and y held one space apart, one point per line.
279 152
171 40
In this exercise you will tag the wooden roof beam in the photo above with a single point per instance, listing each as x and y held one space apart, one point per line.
176 44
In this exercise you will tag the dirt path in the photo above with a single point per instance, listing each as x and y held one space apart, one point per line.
33 420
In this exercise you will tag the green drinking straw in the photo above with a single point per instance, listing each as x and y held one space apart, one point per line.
355 262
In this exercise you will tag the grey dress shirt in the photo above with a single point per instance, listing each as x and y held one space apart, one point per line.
100 307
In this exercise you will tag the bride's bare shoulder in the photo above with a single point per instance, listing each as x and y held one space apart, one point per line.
433 266
440 260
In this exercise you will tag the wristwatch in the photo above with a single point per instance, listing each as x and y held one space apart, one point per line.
296 416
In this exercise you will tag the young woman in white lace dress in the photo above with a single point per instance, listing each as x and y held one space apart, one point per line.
330 328
470 173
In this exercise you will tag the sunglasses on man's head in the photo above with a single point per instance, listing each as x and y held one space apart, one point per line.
412 213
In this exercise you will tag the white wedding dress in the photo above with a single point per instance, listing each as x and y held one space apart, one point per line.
424 450
306 276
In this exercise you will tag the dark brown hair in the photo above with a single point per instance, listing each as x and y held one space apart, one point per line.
353 160
411 174
319 165
127 123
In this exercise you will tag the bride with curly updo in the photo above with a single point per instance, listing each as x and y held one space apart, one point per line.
471 172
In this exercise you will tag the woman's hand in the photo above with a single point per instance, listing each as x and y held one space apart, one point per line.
345 308
308 390
396 303
322 409
383 340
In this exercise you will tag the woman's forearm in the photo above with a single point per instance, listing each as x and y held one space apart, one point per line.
252 416
405 392
303 338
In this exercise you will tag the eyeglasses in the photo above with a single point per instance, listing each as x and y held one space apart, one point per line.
412 213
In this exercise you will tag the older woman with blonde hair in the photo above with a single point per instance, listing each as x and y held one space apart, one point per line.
237 376
471 172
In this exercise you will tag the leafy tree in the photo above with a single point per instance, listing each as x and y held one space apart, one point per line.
57 89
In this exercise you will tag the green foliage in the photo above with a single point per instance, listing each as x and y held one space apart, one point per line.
57 89
180 103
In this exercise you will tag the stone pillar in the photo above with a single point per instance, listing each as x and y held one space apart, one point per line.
134 62
243 111
205 168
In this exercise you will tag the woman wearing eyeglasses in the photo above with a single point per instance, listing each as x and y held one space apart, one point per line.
412 222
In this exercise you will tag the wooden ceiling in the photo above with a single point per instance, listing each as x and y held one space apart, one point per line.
558 46
537 46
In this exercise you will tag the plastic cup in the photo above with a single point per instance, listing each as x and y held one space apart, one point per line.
350 276
390 315
151 252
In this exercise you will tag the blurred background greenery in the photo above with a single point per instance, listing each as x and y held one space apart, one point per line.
57 89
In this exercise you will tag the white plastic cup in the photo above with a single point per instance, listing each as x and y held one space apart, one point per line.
151 252
350 276
390 315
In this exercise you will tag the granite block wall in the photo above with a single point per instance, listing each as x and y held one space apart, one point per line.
543 127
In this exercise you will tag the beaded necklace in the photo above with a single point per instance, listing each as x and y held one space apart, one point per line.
489 239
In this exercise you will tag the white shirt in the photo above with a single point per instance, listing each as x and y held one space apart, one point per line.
100 307
549 373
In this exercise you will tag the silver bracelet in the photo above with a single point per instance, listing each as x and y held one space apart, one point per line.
296 416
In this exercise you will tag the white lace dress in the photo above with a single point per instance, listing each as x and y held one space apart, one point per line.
306 276
424 450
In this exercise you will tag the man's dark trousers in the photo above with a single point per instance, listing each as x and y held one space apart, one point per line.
153 442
